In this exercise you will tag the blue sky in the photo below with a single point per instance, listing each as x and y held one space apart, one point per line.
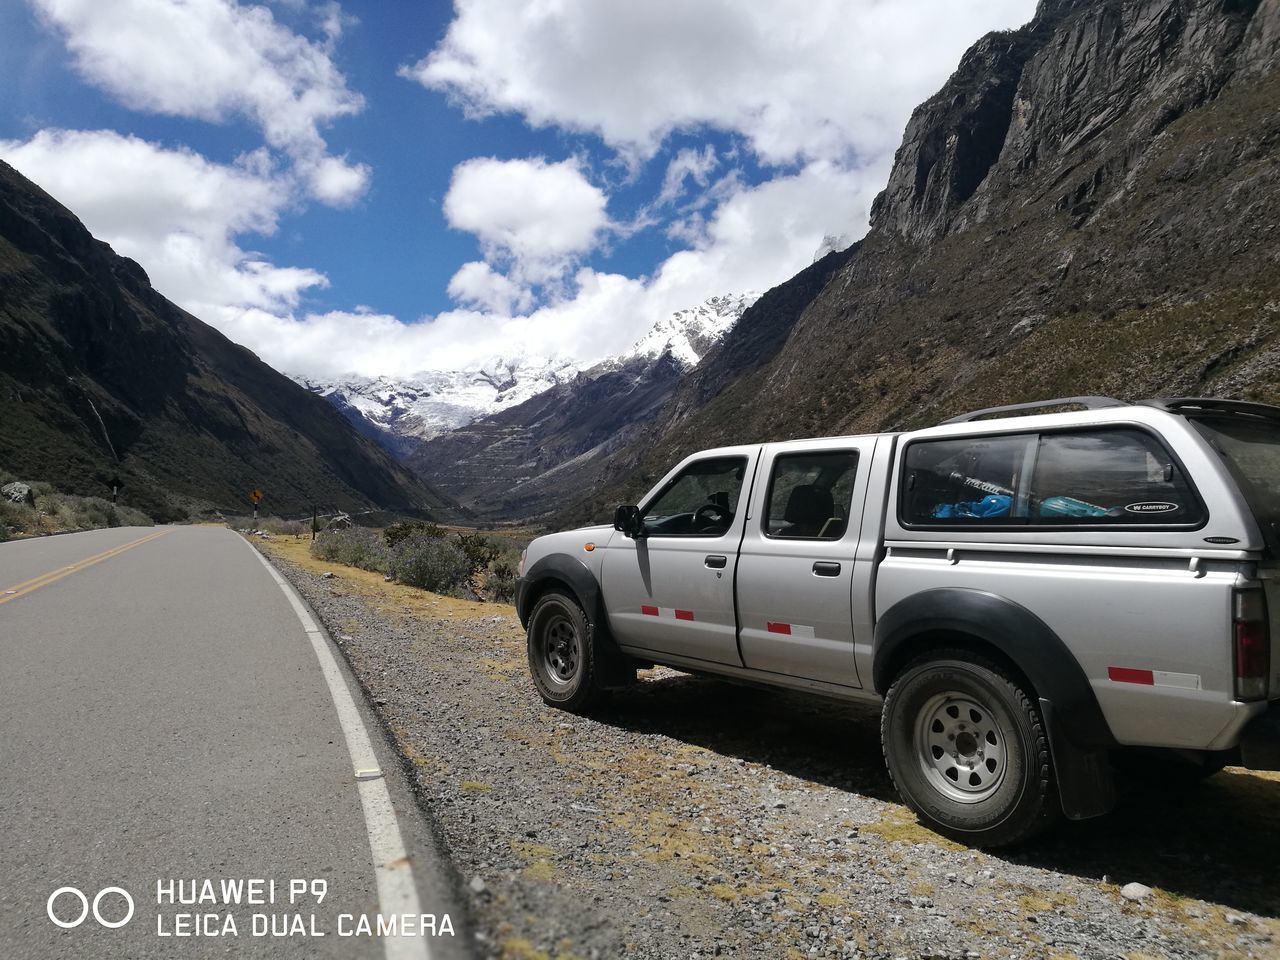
382 188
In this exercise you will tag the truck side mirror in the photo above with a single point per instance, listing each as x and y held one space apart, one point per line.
628 520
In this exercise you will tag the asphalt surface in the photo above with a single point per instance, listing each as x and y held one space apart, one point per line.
164 717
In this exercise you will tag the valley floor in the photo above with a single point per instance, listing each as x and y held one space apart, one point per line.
691 818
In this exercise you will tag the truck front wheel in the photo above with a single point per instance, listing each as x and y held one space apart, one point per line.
967 750
562 653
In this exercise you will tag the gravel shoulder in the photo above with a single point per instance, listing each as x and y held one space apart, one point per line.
694 818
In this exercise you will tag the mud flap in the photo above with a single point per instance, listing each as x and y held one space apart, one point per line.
613 668
1086 786
1260 742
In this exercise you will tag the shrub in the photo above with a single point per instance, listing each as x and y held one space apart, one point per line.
498 582
429 562
18 517
61 512
408 528
129 517
356 547
284 528
479 551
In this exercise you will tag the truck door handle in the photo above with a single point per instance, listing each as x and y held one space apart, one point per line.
716 562
826 569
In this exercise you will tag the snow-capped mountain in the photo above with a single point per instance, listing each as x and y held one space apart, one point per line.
689 334
433 402
402 412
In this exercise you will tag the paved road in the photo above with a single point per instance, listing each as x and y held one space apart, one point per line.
165 715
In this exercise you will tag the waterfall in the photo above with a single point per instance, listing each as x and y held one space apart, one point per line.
105 435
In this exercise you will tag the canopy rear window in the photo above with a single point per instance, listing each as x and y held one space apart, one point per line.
1251 450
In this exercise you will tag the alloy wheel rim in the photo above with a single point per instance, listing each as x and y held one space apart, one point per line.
961 747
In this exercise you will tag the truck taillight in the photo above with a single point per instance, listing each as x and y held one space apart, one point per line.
520 565
1252 644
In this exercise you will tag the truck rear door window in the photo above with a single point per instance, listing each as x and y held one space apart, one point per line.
1114 476
969 481
810 494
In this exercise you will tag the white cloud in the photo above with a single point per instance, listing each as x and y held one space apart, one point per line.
533 214
834 79
688 163
756 238
478 286
174 212
214 59
334 181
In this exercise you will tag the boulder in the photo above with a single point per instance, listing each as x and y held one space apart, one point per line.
18 492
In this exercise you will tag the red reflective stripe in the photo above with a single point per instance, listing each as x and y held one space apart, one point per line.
1129 675
649 611
684 614
779 628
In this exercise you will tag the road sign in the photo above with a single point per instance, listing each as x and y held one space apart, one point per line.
256 496
115 483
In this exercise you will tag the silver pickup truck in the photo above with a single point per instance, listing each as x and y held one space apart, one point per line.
1029 595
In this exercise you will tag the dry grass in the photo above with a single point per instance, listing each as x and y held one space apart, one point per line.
899 825
394 599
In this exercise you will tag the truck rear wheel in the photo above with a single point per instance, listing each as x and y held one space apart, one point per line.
562 653
967 750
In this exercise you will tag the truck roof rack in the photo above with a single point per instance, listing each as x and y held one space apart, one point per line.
1089 403
1212 405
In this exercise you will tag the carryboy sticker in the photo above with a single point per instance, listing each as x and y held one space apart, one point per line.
1152 506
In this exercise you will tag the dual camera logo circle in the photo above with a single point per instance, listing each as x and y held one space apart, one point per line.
85 908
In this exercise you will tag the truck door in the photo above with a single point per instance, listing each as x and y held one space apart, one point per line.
671 591
798 566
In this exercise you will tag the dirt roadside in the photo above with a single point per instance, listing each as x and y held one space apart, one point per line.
692 818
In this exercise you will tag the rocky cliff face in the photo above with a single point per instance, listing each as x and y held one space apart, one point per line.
1071 101
101 376
1091 204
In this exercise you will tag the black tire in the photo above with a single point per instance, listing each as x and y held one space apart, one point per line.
966 748
562 655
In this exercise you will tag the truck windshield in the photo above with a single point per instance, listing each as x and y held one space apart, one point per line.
1251 450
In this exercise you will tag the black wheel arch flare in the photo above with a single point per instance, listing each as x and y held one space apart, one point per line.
1078 731
561 568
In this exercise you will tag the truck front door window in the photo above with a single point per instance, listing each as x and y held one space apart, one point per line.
701 502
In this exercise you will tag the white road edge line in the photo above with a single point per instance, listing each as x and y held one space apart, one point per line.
397 893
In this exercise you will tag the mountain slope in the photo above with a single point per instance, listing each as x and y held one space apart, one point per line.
524 461
102 376
1091 204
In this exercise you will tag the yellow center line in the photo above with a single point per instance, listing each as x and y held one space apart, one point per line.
53 576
